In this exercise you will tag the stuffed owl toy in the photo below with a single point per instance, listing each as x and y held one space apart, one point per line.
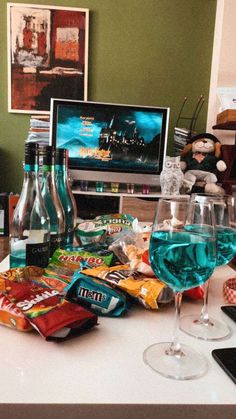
171 177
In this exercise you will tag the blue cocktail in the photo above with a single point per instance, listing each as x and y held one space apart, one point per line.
182 259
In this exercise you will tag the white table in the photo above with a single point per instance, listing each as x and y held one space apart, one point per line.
102 375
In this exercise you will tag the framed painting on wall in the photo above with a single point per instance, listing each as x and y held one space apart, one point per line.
47 55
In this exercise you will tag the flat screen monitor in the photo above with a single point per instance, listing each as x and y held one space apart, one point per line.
111 142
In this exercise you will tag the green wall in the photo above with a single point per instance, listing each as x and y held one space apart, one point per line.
147 52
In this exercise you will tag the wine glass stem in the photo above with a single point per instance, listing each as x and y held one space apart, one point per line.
175 347
204 316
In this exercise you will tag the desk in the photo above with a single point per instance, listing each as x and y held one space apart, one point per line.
101 374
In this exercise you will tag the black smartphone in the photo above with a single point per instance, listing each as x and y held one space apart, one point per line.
226 358
230 311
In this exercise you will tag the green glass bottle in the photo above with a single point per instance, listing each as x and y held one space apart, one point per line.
65 194
52 199
30 227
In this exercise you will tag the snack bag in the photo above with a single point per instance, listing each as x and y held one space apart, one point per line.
90 232
72 259
64 263
101 249
28 273
50 279
11 316
132 248
97 295
44 309
147 291
116 225
196 293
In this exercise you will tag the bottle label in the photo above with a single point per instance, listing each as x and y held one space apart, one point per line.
55 242
37 254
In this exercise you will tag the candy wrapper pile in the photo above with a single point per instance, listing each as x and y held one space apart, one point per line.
102 277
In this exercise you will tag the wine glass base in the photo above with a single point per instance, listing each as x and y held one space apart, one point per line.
190 364
213 330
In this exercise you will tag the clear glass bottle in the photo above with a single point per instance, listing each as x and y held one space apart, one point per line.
30 226
65 194
51 199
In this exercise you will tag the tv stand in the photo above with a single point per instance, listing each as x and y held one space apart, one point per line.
92 203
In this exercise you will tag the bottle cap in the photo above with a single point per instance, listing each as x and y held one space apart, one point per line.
47 152
31 153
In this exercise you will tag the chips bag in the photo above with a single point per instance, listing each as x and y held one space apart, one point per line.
43 308
97 295
147 291
64 263
116 225
132 249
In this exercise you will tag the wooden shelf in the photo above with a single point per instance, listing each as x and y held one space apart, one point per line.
229 126
138 204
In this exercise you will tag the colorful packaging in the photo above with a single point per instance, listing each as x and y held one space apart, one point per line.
196 293
64 263
89 232
97 296
147 291
116 225
52 280
11 316
28 273
46 311
72 259
100 249
132 248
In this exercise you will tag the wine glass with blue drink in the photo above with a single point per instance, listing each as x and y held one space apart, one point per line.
182 259
204 326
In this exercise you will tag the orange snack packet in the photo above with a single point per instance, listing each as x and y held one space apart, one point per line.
147 291
11 316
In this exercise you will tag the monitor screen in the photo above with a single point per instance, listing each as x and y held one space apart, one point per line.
104 139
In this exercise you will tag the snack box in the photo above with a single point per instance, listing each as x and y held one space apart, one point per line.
228 115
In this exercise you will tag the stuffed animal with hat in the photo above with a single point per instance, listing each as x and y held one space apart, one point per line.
200 161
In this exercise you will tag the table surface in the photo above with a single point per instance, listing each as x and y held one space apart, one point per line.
104 367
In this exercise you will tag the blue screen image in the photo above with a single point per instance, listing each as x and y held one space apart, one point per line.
115 138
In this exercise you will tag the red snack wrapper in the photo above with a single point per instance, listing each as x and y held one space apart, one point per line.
196 293
49 313
11 316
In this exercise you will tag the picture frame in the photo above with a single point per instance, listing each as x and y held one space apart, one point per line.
47 55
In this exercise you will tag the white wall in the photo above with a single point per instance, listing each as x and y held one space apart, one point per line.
223 63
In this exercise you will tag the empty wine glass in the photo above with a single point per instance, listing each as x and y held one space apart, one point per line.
182 259
204 326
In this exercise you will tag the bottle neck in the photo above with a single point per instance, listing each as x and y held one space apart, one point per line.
61 172
48 171
32 167
31 177
46 168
